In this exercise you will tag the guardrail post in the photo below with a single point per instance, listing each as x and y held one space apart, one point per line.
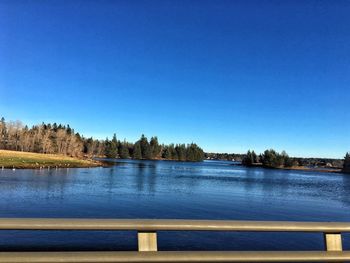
333 241
147 241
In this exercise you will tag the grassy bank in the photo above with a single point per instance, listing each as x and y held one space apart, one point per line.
305 168
21 160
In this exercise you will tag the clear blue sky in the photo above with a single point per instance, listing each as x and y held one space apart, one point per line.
229 75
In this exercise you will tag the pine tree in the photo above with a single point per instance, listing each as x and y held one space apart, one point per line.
124 151
107 147
155 148
181 152
111 150
145 148
248 159
173 152
166 153
114 146
88 146
137 154
346 166
273 159
270 158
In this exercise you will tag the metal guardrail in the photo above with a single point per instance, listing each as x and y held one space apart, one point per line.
160 256
147 240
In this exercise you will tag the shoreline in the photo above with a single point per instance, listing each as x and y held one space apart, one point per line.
29 160
299 168
322 170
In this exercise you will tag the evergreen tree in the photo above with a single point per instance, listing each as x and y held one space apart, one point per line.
173 152
119 147
181 152
271 159
68 129
107 147
111 150
288 161
88 145
114 146
145 148
166 153
250 158
346 166
155 148
194 153
137 153
190 154
54 127
169 152
124 152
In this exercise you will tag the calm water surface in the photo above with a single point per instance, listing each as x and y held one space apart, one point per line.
162 189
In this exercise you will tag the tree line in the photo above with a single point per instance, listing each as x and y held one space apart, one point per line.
273 159
270 158
149 150
62 139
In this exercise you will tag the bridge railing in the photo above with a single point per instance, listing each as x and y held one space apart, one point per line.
147 240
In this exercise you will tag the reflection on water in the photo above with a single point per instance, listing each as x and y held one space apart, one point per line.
162 189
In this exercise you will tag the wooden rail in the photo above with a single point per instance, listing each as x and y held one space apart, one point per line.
147 240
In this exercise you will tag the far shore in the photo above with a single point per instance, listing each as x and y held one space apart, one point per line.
28 160
322 170
303 168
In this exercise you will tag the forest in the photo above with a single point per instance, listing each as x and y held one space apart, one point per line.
62 139
273 159
270 158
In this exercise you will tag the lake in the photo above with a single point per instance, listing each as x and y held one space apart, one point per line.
176 190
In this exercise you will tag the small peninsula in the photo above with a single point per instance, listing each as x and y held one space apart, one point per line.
27 160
